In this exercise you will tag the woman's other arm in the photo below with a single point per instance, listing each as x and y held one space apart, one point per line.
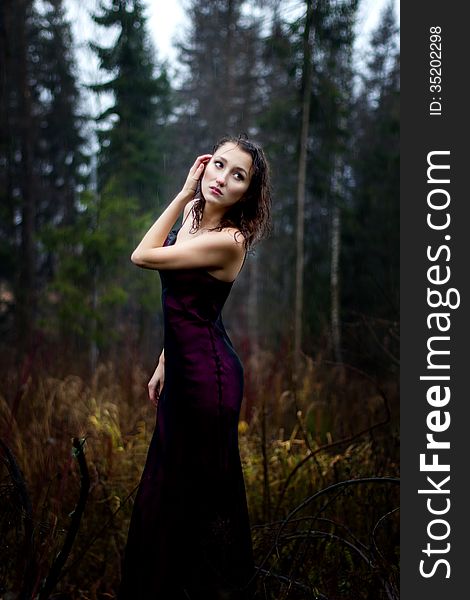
157 380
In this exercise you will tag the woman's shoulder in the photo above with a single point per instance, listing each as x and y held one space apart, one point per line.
236 235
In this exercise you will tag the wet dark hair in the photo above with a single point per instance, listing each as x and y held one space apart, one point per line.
252 213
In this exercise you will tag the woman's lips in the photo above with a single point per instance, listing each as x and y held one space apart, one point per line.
216 191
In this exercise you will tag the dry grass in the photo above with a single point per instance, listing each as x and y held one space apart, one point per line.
292 445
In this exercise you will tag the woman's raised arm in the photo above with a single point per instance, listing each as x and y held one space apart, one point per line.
159 231
214 250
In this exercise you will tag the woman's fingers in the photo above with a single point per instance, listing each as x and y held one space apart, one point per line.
200 162
203 158
155 391
195 173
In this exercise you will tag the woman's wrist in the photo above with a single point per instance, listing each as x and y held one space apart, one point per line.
184 196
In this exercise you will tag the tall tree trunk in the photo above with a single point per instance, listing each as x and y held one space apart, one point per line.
334 282
25 286
93 356
302 170
229 76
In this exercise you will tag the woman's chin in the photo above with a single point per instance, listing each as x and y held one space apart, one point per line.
211 198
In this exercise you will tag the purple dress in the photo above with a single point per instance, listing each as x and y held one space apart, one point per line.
189 535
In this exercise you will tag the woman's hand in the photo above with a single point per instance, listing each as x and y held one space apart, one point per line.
194 175
155 384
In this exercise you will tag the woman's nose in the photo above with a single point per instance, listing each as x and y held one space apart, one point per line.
220 179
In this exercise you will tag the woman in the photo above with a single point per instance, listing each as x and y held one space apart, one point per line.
189 536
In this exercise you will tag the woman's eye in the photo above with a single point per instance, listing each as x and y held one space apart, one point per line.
217 163
239 176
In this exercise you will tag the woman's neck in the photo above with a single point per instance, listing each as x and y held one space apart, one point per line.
211 217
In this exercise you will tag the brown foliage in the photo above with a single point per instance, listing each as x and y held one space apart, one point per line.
339 426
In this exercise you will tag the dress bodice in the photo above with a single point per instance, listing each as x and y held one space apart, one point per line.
193 290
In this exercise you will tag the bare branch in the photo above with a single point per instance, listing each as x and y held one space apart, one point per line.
59 562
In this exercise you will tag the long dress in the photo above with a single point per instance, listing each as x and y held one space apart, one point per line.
189 535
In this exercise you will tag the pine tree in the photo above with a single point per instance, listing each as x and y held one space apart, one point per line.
279 131
19 206
328 161
61 161
41 152
132 135
371 257
220 56
327 149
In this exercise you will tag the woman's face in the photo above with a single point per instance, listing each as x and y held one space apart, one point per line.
227 175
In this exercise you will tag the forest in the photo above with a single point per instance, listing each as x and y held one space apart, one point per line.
314 314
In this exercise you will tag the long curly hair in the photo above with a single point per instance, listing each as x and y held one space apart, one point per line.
252 213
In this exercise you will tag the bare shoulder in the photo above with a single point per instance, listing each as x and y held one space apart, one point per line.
237 237
234 242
